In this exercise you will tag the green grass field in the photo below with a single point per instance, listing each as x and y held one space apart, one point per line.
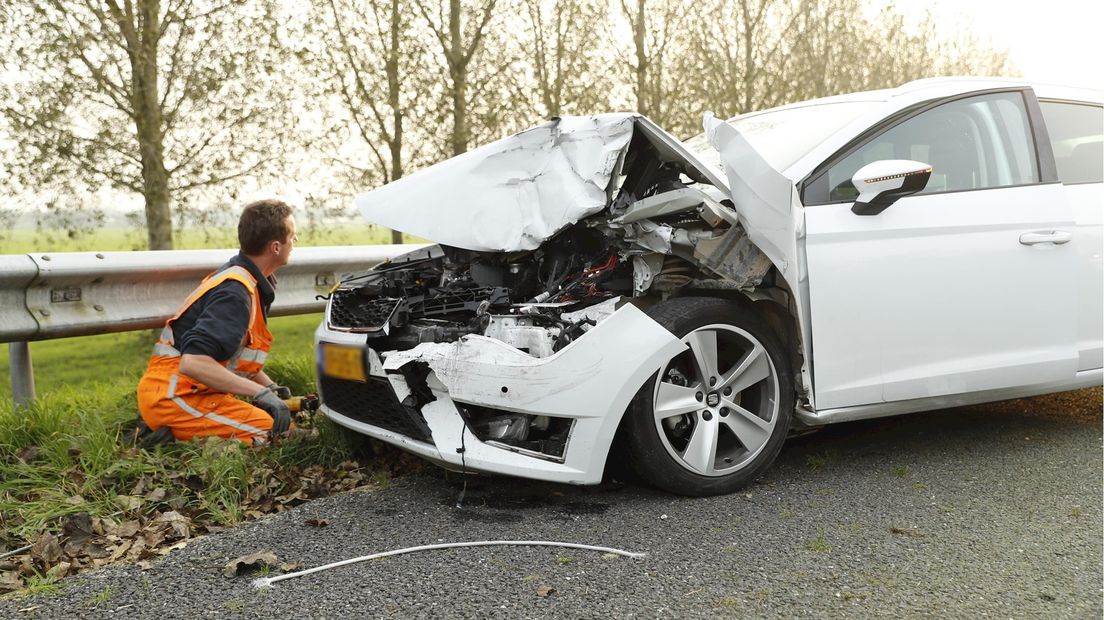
74 364
24 240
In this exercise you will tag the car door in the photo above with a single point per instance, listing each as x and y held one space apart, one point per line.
1076 132
964 287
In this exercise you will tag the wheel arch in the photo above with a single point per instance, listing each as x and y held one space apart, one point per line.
769 303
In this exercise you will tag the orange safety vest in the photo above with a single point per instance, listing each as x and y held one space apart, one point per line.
165 396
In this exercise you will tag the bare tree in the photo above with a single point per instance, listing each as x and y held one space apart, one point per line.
460 31
756 54
657 61
839 49
158 98
563 48
376 68
741 58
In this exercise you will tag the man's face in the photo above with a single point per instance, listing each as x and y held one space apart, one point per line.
284 253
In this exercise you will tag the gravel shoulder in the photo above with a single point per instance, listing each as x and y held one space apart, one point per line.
972 512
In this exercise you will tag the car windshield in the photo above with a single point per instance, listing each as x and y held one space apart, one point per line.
783 136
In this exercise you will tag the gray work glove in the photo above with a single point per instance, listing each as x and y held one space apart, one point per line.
270 403
282 392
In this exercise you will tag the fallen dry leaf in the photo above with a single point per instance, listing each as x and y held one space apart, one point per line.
100 524
126 529
28 454
93 550
121 550
10 581
249 562
154 535
181 525
170 549
545 591
137 549
907 531
47 550
317 522
128 502
291 497
58 570
78 528
140 486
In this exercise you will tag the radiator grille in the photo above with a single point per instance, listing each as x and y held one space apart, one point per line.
373 402
348 310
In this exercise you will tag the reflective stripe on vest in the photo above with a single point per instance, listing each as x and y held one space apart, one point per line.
165 350
246 355
211 415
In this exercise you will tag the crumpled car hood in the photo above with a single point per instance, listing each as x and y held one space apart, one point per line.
515 193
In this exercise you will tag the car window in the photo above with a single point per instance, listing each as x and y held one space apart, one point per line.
1077 138
973 143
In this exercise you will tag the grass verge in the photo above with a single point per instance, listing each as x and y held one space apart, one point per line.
72 487
84 363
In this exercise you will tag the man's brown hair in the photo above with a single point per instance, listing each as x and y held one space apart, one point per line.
262 222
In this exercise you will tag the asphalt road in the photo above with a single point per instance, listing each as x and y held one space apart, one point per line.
990 511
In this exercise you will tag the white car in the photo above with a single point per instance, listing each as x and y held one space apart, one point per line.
596 280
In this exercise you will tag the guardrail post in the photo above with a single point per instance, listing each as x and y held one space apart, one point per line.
22 373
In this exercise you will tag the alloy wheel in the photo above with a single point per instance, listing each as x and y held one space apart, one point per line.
716 404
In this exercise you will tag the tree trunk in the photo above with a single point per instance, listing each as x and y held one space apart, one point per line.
393 100
142 35
749 69
639 29
459 74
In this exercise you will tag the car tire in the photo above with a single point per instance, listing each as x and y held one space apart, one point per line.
705 441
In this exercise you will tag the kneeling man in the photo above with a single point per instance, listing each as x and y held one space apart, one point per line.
213 349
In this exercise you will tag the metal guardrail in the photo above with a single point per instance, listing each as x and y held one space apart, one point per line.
63 294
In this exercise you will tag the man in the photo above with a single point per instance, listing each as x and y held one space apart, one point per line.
213 349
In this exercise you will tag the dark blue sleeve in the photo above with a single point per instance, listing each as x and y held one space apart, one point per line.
221 324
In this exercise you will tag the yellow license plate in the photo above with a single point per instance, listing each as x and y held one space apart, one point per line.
343 362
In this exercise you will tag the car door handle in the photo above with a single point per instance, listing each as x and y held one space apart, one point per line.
1057 237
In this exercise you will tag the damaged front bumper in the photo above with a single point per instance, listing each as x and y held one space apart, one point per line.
463 404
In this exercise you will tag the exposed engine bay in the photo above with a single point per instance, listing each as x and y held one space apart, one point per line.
666 228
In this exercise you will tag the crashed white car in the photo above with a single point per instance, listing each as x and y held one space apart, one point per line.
598 281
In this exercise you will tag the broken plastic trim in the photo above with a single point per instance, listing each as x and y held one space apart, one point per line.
532 435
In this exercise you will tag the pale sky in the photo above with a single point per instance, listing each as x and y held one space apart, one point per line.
1059 41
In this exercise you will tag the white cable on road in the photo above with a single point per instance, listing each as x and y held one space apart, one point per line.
266 582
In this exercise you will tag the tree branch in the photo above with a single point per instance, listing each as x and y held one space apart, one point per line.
222 179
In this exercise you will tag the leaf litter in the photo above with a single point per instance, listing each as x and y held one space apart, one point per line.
165 510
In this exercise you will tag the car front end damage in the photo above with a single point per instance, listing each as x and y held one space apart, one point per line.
515 345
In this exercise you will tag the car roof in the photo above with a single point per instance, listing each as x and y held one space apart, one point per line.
945 86
889 100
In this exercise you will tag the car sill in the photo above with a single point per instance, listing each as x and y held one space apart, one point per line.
1084 379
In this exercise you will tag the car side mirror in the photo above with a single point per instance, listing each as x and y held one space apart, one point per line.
882 182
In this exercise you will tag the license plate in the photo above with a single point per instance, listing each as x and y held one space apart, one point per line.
343 362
